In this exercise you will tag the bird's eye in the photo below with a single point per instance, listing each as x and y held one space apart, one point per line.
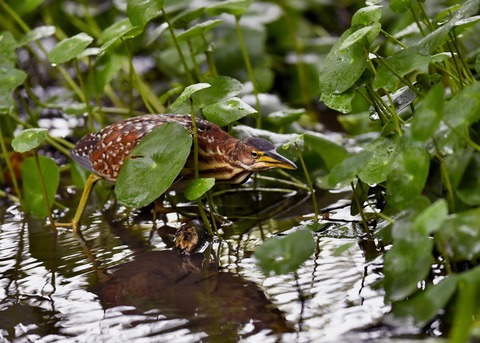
255 154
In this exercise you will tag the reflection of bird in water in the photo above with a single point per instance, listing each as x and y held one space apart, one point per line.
217 303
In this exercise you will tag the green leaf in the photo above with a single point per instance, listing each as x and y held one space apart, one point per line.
10 79
198 187
339 102
198 29
188 92
432 218
284 117
355 37
32 186
408 176
283 255
459 236
384 150
115 31
423 307
222 87
186 17
69 48
341 69
456 165
8 46
37 33
233 7
140 12
400 6
403 62
329 151
227 111
29 139
153 165
428 116
406 264
367 15
468 190
346 171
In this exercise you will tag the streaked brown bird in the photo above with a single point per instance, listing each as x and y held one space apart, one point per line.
221 156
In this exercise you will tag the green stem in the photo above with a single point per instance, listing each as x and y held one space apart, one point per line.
360 210
309 182
248 65
179 49
392 38
10 168
44 190
211 62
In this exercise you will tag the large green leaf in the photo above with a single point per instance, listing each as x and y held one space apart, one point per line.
69 48
188 92
342 68
283 255
331 153
227 111
152 167
198 187
32 186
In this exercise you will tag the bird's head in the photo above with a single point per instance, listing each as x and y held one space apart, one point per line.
257 154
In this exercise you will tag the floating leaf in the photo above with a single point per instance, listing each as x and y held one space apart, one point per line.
140 12
198 187
153 165
227 111
29 139
69 48
283 255
32 186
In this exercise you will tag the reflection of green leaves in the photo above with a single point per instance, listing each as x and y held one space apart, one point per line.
69 48
32 185
283 255
29 139
153 165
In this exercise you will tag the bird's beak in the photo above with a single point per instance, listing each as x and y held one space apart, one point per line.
274 160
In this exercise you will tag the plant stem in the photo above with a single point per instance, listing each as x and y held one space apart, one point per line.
250 72
44 190
309 182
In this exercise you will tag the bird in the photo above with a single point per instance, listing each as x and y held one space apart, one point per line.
220 156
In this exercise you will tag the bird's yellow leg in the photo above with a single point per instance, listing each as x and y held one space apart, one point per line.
75 223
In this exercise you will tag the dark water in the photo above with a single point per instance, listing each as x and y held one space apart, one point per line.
124 282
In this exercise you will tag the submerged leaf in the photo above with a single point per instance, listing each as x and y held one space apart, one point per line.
283 255
153 165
